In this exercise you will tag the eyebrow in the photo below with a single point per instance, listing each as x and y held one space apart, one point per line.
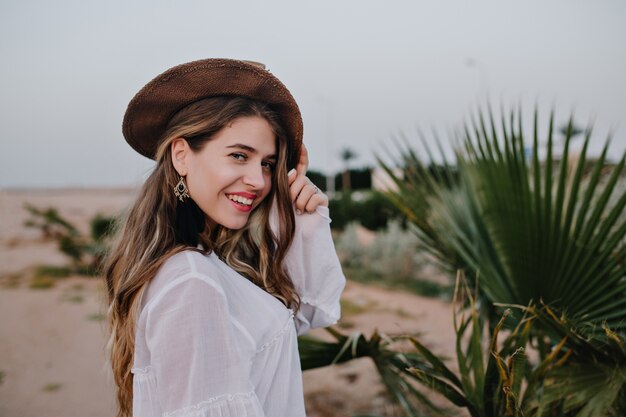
249 149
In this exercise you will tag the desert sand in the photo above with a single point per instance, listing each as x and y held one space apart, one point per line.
52 341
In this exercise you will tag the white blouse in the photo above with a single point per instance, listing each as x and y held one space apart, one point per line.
211 343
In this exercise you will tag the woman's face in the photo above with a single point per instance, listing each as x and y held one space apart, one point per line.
232 173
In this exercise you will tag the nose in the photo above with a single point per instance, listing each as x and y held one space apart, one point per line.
254 177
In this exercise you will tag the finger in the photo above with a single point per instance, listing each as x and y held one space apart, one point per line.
303 162
291 176
297 185
318 199
305 195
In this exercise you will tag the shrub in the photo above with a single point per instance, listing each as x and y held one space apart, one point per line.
374 211
394 253
349 248
86 252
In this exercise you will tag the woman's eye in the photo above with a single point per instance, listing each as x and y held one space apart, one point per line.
239 156
269 166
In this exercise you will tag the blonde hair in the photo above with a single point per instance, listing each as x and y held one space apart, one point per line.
141 247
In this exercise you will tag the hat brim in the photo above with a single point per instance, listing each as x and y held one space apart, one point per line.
149 112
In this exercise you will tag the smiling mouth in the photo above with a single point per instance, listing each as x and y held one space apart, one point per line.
241 200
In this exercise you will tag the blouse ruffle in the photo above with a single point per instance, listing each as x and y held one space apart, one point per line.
244 404
227 405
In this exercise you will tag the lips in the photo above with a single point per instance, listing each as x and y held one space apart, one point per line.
242 201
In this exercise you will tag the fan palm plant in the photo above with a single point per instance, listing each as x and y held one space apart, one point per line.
494 380
392 365
498 380
533 229
593 382
580 376
543 231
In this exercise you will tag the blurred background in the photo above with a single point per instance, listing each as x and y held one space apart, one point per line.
368 76
360 71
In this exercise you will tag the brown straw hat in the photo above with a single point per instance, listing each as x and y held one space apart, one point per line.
151 109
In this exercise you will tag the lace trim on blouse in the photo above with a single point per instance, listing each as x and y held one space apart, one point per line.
197 407
143 370
278 335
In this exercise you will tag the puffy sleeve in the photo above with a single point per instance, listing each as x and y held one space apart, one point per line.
195 353
315 270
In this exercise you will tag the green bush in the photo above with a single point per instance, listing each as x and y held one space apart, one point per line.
51 224
52 271
373 212
360 179
391 260
86 252
101 227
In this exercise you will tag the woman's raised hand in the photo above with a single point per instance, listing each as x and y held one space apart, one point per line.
304 194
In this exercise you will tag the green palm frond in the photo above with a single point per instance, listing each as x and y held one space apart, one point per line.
391 365
592 379
530 227
535 228
494 380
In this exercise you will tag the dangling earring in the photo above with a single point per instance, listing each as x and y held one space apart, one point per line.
181 190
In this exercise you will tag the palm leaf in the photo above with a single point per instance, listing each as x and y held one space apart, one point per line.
534 228
393 367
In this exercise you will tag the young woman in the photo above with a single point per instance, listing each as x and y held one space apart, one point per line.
226 256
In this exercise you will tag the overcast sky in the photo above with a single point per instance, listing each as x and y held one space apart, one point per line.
360 70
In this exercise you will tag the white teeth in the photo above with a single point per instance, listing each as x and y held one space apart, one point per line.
239 199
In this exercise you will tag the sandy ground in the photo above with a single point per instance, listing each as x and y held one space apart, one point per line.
52 341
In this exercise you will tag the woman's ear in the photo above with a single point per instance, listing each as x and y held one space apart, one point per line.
180 152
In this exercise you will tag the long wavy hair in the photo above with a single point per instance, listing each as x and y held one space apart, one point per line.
141 247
